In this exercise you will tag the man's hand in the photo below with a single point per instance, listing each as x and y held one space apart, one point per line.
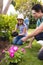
24 39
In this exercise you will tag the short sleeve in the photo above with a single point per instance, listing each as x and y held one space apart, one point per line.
25 26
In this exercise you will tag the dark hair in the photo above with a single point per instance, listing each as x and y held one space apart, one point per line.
18 23
37 7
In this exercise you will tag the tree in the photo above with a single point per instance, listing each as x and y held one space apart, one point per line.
1 6
25 6
7 6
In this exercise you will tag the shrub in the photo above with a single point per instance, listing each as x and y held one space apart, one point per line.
7 24
32 24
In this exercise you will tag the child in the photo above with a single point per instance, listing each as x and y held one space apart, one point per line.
22 30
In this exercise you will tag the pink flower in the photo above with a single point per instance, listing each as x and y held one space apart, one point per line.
3 51
23 50
15 48
11 51
12 47
11 55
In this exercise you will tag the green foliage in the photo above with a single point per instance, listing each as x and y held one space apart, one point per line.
7 24
18 56
32 24
20 3
35 1
24 3
13 3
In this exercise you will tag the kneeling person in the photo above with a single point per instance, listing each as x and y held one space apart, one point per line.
22 30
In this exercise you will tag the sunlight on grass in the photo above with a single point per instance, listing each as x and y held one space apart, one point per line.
30 31
30 57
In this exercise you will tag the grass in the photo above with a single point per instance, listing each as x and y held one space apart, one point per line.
30 57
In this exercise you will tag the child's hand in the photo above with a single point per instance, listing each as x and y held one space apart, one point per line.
24 39
13 31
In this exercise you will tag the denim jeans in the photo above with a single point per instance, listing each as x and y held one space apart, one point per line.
39 36
17 40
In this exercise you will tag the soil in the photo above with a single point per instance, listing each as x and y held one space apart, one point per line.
4 45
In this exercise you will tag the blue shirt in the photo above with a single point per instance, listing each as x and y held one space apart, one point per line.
26 21
39 21
21 28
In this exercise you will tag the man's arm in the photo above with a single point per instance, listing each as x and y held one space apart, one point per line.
36 31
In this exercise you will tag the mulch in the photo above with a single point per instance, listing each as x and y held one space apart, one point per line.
3 46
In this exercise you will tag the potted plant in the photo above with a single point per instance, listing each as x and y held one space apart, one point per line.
14 55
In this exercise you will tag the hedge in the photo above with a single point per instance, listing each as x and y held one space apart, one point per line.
7 24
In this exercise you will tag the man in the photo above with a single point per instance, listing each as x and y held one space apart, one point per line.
32 39
26 21
38 32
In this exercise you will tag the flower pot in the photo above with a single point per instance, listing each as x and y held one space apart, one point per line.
13 63
14 34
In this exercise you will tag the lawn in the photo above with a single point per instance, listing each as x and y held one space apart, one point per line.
30 57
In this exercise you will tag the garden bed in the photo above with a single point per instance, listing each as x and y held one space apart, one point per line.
3 46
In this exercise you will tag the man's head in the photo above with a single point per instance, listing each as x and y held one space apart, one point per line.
37 10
